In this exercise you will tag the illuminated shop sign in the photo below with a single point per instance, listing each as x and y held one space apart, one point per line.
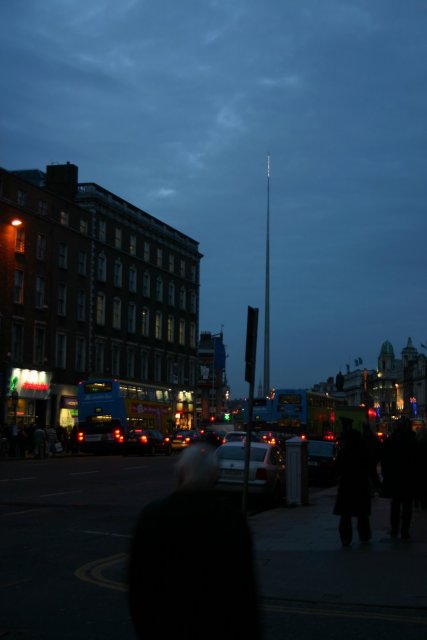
30 383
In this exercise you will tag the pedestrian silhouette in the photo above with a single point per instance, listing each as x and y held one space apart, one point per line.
353 498
421 468
399 471
191 571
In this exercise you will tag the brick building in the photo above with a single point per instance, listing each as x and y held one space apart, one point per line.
92 286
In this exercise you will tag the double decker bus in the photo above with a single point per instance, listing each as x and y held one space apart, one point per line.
314 415
109 408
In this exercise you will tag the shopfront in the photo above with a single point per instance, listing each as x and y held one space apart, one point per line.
28 397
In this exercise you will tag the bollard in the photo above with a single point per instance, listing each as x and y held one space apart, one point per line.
296 472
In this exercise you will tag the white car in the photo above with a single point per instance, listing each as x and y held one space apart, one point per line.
267 472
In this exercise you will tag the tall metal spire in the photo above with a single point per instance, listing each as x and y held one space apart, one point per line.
267 292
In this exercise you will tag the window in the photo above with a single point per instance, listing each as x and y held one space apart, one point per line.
83 226
171 263
132 244
39 344
20 239
131 317
118 273
182 268
146 284
193 335
171 294
21 198
132 279
193 302
18 288
99 356
102 267
102 231
80 354
157 367
100 308
81 305
182 298
117 313
61 351
159 288
62 300
159 257
118 238
147 251
17 342
170 328
115 360
41 246
40 292
64 218
62 255
144 365
130 362
158 325
181 332
42 207
145 325
193 273
82 263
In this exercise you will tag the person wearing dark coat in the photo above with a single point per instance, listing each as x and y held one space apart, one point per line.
190 551
353 498
421 471
399 471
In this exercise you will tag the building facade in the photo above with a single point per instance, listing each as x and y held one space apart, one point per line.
212 389
92 286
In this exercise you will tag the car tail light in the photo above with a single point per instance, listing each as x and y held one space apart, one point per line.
80 436
118 435
273 441
261 473
143 439
187 440
166 439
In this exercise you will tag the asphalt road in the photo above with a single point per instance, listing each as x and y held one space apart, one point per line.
65 526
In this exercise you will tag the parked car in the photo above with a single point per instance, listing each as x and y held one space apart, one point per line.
240 436
267 473
322 462
182 438
146 441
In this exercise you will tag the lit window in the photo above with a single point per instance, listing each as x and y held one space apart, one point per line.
64 218
100 309
158 325
20 239
182 332
170 328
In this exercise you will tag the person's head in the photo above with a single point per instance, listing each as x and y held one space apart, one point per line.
197 468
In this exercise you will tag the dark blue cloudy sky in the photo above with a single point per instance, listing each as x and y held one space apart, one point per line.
174 106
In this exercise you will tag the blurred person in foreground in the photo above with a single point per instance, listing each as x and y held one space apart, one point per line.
353 498
191 567
399 468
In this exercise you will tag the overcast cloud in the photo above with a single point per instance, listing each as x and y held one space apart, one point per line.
174 106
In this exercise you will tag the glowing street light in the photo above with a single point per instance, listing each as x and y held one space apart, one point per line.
16 222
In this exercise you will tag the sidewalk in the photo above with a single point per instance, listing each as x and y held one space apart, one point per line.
299 557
